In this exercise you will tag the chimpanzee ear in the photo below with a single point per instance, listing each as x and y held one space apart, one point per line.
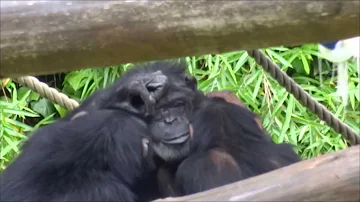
191 82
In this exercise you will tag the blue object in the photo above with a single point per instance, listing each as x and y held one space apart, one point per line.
330 45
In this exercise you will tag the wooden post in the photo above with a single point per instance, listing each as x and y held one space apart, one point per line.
56 36
330 177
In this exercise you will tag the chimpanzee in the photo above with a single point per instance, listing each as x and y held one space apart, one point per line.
207 141
98 152
98 156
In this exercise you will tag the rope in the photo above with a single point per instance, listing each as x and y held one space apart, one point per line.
47 92
305 99
274 70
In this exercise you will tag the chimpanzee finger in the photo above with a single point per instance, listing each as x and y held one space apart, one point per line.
145 147
149 101
138 89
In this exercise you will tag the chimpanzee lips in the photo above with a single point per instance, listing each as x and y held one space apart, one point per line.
177 140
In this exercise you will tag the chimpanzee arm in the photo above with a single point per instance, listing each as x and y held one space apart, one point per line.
166 181
207 170
96 157
136 91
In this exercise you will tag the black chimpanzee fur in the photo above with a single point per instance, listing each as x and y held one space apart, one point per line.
95 157
227 147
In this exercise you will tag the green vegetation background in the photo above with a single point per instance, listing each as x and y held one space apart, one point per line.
282 115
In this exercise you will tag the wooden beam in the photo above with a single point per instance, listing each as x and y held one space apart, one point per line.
56 36
330 177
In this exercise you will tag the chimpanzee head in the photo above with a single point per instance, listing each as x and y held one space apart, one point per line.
169 125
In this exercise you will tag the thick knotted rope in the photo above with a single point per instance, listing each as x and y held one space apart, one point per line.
47 92
304 98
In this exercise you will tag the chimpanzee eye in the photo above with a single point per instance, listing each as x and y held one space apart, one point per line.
191 82
188 79
178 103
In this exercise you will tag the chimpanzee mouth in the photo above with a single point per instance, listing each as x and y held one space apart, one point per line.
177 140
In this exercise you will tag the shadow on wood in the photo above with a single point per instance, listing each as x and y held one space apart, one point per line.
330 177
57 36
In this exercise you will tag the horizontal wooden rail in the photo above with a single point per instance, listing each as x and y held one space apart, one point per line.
330 177
56 36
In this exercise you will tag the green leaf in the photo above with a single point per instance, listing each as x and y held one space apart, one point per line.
11 145
23 93
20 113
62 111
47 120
305 63
14 133
289 112
279 58
257 86
34 96
75 79
241 61
44 107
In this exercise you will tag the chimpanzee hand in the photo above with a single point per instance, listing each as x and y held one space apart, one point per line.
139 94
146 91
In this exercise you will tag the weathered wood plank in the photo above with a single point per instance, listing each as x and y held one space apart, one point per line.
55 36
330 177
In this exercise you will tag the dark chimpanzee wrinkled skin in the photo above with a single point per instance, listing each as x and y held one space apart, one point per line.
209 141
98 152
